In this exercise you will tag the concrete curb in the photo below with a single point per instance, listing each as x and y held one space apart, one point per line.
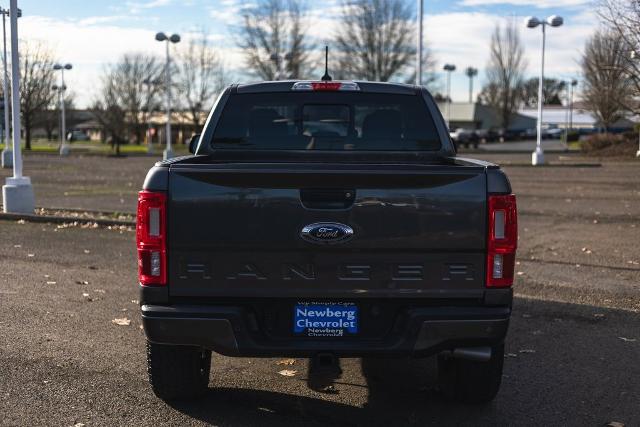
64 220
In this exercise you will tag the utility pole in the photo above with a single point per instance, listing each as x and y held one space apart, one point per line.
449 68
419 43
17 193
471 73
537 157
175 38
7 156
64 147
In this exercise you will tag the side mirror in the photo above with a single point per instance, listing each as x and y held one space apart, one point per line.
193 143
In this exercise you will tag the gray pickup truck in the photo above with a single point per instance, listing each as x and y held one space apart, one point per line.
326 219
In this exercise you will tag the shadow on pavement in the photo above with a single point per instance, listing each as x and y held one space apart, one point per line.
566 364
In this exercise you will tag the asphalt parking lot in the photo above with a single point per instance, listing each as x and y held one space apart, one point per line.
572 350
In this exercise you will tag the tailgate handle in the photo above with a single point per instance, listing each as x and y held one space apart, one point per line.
327 198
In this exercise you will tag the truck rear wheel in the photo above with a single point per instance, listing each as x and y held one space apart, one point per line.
470 381
178 372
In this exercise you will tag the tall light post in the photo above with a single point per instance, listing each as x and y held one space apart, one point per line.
537 157
7 156
449 68
567 90
574 83
149 83
17 193
471 73
419 43
64 147
175 38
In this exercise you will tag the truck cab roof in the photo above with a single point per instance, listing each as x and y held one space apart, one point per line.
363 86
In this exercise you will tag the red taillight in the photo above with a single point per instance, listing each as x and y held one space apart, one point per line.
151 238
328 86
502 240
325 86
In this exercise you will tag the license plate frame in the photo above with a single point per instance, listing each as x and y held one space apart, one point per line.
325 319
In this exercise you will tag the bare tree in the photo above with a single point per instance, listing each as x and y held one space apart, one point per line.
504 73
607 85
551 92
49 118
109 110
125 97
375 39
202 76
622 17
36 81
273 39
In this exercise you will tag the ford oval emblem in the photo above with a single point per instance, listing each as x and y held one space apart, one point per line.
326 233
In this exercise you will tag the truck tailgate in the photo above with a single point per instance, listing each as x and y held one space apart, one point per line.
235 230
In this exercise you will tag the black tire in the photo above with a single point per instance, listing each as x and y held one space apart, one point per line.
178 372
468 381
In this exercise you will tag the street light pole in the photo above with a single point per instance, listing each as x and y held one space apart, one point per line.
149 83
64 147
471 73
537 157
419 43
449 68
175 38
574 82
7 156
17 193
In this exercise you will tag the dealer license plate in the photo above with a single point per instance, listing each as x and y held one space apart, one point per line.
319 319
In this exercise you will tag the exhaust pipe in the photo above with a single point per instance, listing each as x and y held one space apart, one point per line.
478 354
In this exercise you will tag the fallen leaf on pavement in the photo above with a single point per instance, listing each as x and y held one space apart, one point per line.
288 372
122 322
627 339
286 362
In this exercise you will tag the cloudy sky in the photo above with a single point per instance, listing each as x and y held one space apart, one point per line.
90 34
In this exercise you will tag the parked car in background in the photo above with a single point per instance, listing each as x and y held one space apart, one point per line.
466 137
552 133
511 134
77 135
487 135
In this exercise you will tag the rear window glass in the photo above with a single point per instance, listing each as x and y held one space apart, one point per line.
326 121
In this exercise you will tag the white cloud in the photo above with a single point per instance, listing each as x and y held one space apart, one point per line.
137 7
463 38
540 4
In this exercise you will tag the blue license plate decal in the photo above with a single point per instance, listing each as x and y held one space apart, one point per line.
318 319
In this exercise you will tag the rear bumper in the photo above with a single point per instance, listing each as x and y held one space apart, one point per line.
229 331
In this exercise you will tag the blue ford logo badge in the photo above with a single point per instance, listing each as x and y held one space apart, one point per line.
326 233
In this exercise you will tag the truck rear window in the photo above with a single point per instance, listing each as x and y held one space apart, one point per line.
326 121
